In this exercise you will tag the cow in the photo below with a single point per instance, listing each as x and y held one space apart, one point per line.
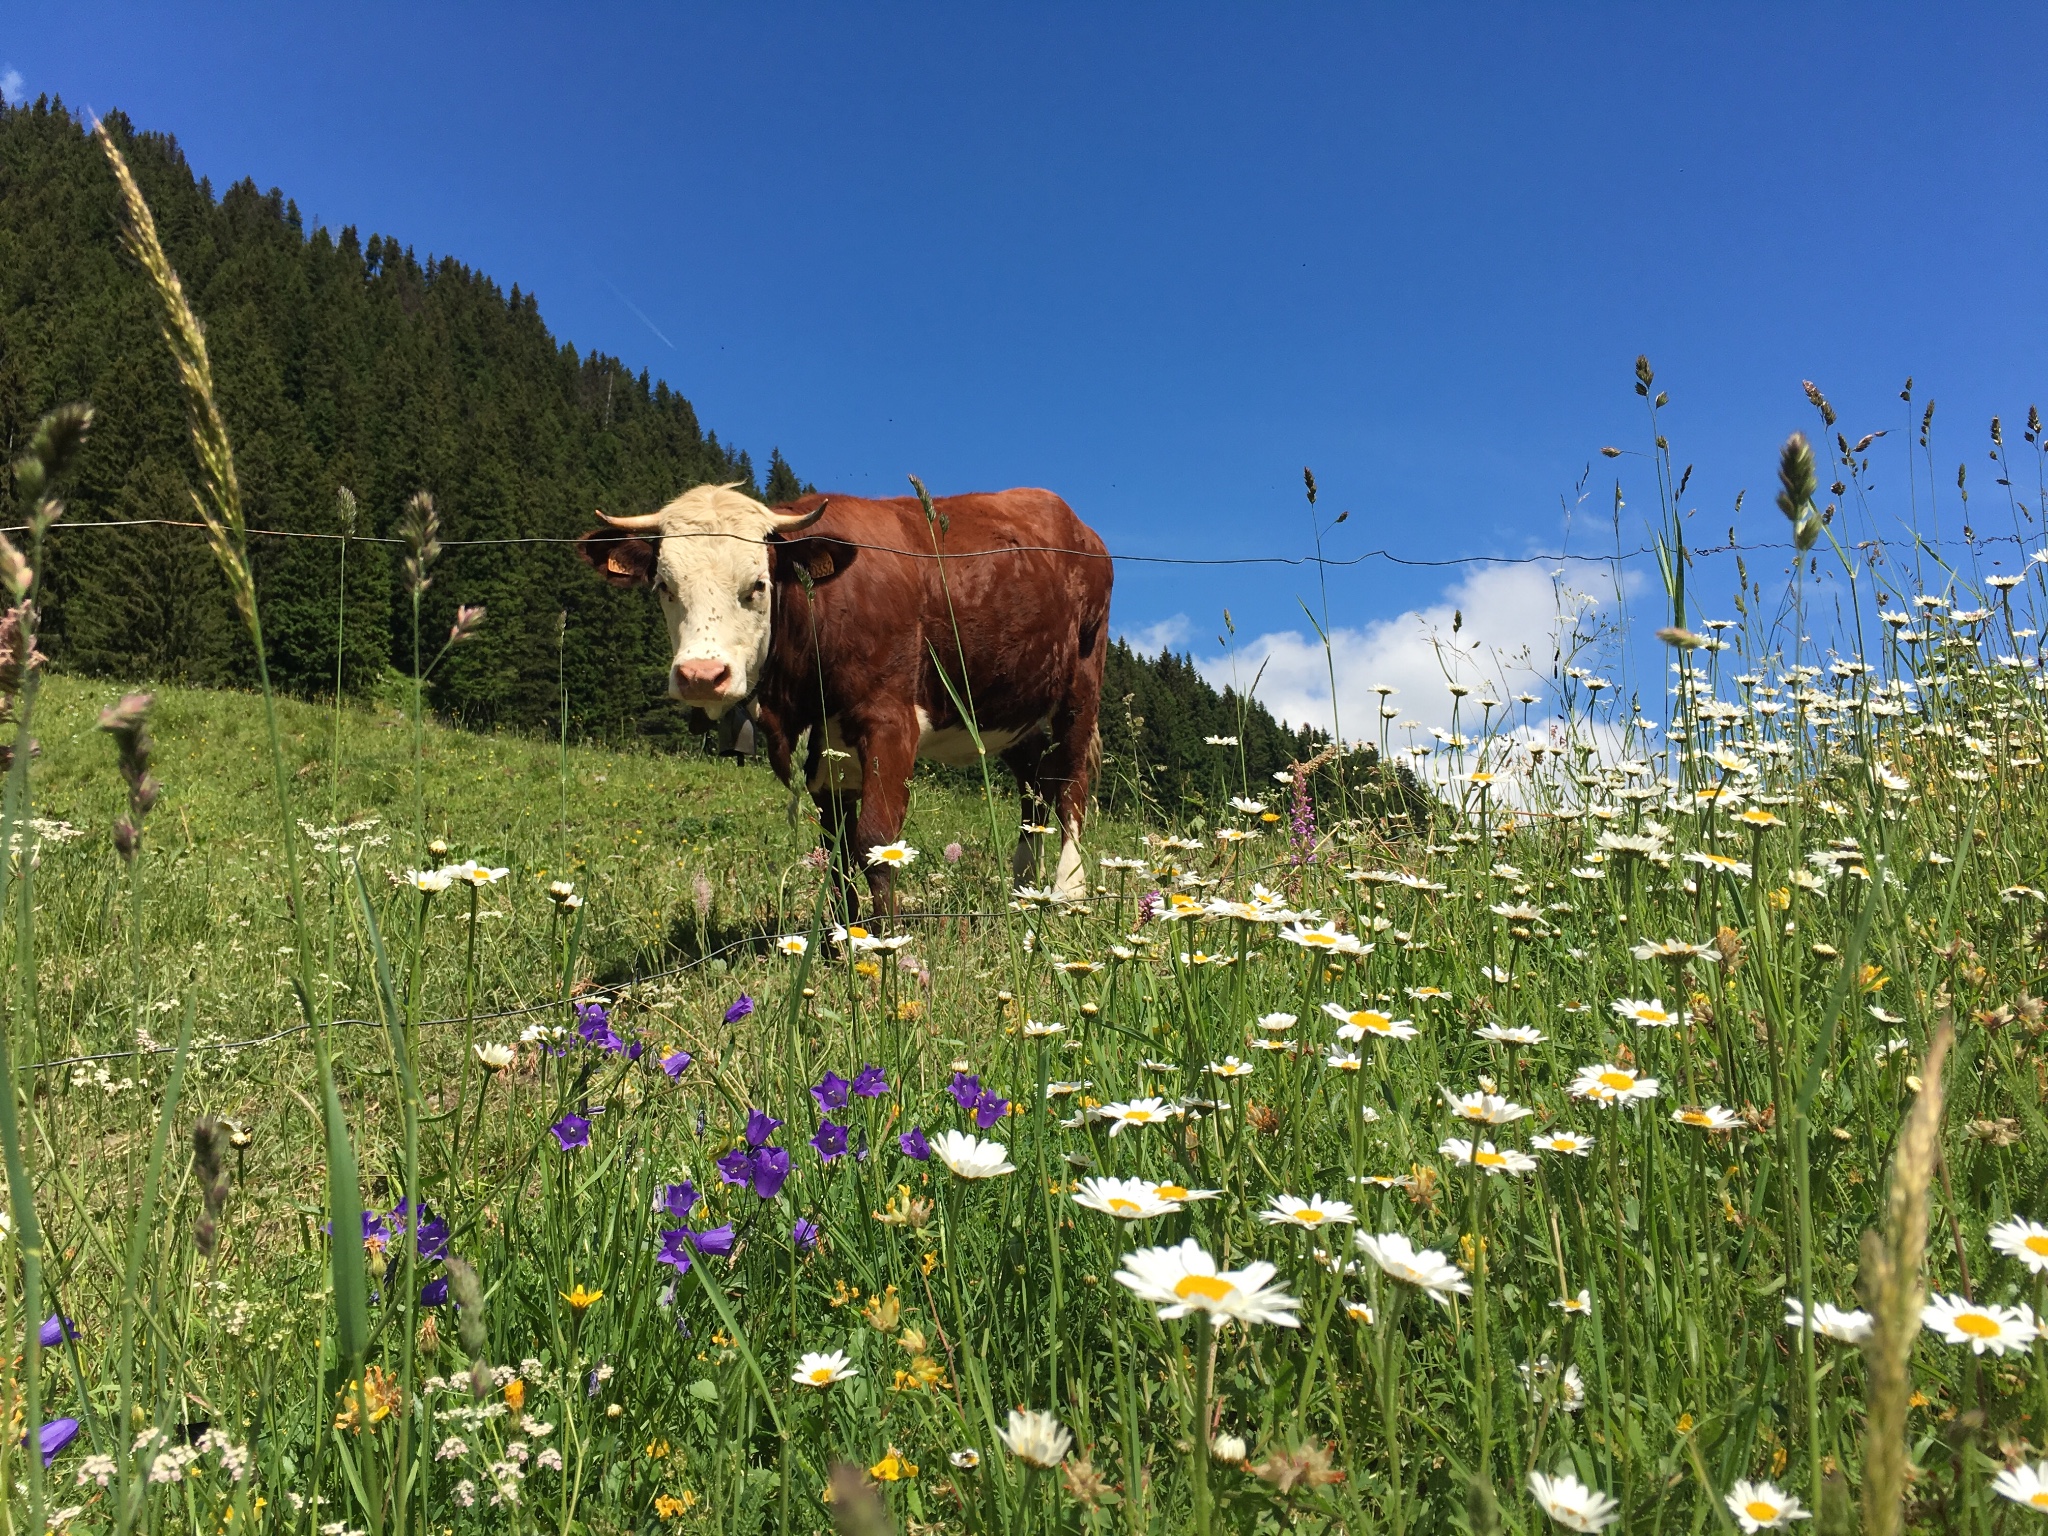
876 631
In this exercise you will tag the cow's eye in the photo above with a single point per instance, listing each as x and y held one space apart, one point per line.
760 585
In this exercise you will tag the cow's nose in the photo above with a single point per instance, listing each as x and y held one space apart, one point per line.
702 676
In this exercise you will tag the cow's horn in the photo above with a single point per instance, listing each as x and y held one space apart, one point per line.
791 522
645 522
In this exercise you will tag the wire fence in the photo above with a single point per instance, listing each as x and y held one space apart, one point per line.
1327 562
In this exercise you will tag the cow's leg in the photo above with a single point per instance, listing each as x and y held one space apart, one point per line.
1064 779
888 753
836 816
1023 761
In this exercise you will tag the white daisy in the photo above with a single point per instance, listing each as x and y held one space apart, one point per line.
496 1057
1172 1191
1185 1279
1034 1030
969 1157
792 944
1763 1506
1230 1066
1325 938
1343 1061
1609 1085
1570 1143
892 853
1510 1034
2024 1485
816 1370
1127 1199
1712 1118
432 881
1648 1012
1486 1158
1276 1023
1356 1024
1135 1112
2025 1240
1571 1503
1997 1329
1575 1306
1037 1439
1425 1267
1483 1108
1830 1321
1312 1212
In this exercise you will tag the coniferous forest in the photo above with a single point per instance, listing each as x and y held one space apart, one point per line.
345 360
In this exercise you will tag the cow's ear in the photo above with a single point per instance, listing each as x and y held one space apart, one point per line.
818 559
622 559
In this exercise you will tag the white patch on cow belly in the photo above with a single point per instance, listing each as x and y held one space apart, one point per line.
840 773
954 747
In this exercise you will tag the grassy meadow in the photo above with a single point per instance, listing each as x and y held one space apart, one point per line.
1647 1138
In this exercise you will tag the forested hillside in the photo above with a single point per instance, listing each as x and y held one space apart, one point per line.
340 361
349 361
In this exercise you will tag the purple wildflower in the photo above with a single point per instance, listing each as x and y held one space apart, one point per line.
760 1127
742 1006
953 852
714 1240
737 1166
55 1330
988 1109
1148 907
804 1235
831 1092
914 1145
434 1293
966 1089
678 1200
571 1132
870 1082
374 1226
1301 829
676 1064
675 1250
830 1141
53 1437
771 1169
591 1016
636 1050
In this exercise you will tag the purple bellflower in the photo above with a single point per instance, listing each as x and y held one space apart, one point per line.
571 1132
870 1082
830 1141
914 1145
831 1093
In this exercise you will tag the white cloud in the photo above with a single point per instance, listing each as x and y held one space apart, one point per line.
1507 639
13 89
1163 636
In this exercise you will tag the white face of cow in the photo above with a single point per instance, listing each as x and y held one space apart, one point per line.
710 570
713 586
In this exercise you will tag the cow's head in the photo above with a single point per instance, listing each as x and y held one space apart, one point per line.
706 554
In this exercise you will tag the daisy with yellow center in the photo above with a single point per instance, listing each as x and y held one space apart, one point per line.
1712 1118
1648 1012
2026 1241
892 854
1356 1024
1171 1191
821 1370
1125 1199
1720 863
1509 1034
1608 1085
1486 1157
1982 1327
1185 1279
1315 1211
1763 1506
2024 1485
1757 817
1343 1061
1358 1312
1484 1108
1230 1066
1575 1306
1571 1503
1427 994
1135 1112
1567 1143
792 944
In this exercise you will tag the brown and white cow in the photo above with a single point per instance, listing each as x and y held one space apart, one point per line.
837 616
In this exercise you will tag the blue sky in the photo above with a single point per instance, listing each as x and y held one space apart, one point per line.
1159 258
